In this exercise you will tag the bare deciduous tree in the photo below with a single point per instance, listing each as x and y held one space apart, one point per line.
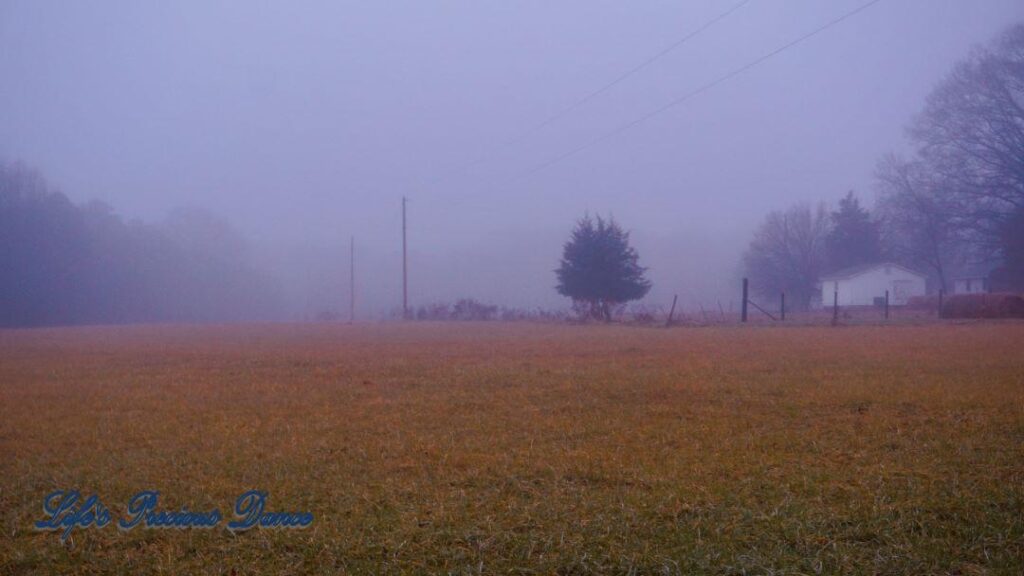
919 216
788 253
971 135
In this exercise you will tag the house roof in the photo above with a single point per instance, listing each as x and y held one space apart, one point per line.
861 269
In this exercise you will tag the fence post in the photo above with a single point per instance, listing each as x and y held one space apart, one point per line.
941 294
835 306
782 307
743 313
672 311
886 304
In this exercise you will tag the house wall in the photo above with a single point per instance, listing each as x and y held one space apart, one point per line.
969 286
861 290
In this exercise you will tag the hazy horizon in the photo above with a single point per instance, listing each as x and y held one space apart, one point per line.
305 124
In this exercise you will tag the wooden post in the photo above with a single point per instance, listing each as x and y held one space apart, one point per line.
941 294
782 307
743 308
405 268
835 306
886 304
672 311
352 281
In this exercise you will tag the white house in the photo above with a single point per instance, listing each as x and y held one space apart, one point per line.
866 285
970 285
972 279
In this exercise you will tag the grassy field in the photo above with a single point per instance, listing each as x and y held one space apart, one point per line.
524 448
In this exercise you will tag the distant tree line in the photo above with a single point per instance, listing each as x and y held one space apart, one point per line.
957 201
62 263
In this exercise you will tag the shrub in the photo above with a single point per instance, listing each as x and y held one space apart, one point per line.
923 302
469 309
984 306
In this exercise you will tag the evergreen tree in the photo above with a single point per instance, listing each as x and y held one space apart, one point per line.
599 269
855 238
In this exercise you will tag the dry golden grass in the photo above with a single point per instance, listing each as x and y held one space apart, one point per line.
514 449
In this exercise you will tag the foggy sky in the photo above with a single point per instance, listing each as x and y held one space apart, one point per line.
304 123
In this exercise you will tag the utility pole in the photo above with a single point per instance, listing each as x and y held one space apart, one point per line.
405 267
352 281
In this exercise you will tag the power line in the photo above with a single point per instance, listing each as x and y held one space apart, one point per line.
681 99
590 96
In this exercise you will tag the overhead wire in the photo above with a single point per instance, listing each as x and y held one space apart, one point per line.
588 97
689 95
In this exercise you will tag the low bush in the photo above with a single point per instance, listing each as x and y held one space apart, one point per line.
1000 305
930 302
